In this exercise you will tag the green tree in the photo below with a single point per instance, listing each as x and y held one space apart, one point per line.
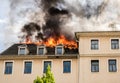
46 78
38 80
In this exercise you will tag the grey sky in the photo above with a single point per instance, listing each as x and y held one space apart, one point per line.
4 11
20 11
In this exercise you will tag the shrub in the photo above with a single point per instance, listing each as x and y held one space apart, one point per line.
46 78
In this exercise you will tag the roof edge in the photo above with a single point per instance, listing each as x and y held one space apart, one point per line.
96 33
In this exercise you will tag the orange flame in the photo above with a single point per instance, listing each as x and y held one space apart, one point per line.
51 42
28 40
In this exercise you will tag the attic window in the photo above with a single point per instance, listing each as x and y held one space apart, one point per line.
41 50
59 49
22 50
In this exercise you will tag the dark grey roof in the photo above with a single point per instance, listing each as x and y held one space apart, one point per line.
32 48
13 50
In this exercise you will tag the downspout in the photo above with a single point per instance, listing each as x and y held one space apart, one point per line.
78 68
78 57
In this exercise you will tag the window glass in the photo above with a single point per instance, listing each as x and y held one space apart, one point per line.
94 66
59 50
41 51
22 51
112 66
8 67
28 67
94 44
114 44
46 63
66 66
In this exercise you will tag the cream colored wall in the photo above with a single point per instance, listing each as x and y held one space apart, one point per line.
104 45
103 76
103 54
18 75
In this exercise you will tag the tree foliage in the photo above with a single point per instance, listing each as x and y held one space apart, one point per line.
38 80
46 78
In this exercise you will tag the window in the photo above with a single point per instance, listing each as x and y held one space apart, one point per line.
94 44
8 67
28 67
46 63
21 51
40 51
59 50
112 66
94 65
66 66
114 43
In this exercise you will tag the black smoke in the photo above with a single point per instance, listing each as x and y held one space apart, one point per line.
30 28
53 23
54 18
52 28
56 11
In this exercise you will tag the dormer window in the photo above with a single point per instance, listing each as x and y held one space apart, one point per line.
41 50
59 49
22 50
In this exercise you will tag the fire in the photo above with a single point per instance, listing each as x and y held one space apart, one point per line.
28 40
52 42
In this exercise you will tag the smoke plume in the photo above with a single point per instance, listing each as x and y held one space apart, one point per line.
53 21
56 17
41 19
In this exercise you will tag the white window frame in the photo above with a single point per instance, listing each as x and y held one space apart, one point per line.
116 65
43 64
12 67
24 67
98 43
63 67
44 50
111 43
22 46
56 50
98 65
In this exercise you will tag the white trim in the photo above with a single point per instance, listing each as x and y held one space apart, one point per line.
98 64
110 43
43 64
98 44
12 67
24 66
44 50
71 65
22 46
56 49
116 65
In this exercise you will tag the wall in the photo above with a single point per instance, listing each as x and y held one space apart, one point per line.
104 46
103 55
103 76
18 75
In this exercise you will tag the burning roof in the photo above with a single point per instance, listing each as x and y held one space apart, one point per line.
51 32
42 20
32 48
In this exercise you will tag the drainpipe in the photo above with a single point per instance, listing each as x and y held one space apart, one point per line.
78 57
79 68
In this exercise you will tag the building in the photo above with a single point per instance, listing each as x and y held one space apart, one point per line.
99 57
23 63
96 61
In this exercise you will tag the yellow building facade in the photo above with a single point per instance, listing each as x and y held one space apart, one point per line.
99 57
96 62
